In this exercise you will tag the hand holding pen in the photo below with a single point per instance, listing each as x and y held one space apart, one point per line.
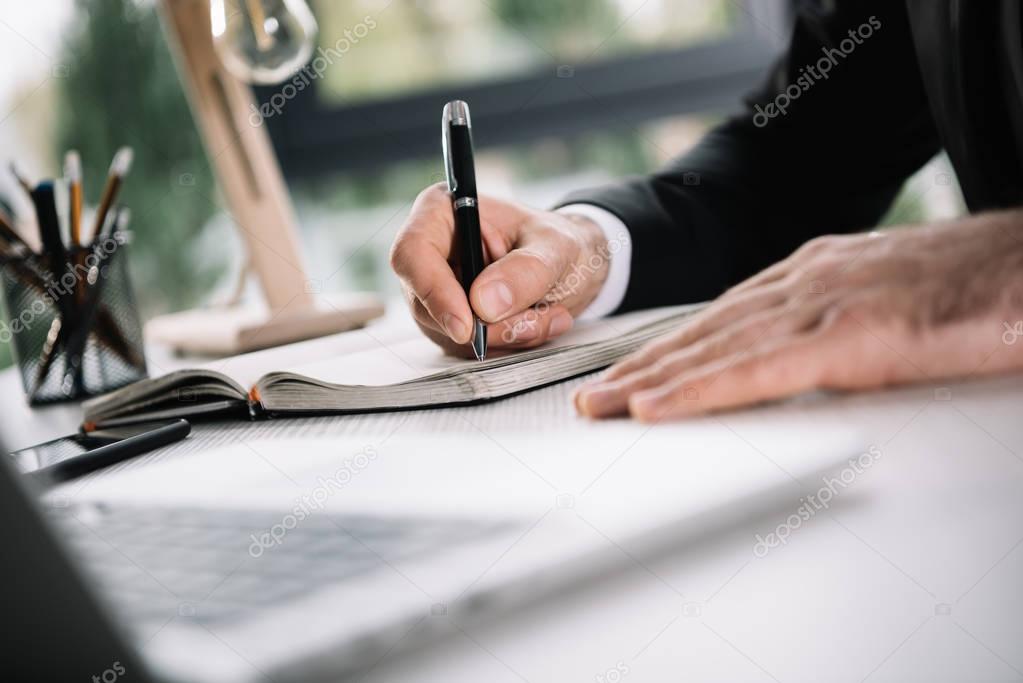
456 136
543 268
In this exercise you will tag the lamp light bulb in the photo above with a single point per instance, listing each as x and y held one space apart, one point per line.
263 41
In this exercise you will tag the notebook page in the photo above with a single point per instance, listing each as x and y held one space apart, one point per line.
248 368
402 360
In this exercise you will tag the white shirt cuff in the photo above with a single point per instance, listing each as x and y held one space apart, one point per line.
617 249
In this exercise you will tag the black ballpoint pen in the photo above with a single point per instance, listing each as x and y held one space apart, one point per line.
456 134
106 449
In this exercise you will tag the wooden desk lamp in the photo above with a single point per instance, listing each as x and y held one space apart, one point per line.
250 179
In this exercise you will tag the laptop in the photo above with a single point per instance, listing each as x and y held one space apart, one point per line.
314 559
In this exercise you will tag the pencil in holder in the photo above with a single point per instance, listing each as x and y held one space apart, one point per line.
73 327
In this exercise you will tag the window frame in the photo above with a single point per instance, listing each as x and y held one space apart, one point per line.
311 137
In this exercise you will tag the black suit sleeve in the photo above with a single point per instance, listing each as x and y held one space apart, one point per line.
758 186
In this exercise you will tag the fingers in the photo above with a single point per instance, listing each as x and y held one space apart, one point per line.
530 255
531 327
525 275
426 321
772 275
717 317
437 297
609 398
769 308
784 368
526 329
419 257
798 262
447 345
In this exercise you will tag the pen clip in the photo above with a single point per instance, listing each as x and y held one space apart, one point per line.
449 169
456 113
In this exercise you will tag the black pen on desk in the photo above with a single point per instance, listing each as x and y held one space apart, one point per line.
111 453
456 136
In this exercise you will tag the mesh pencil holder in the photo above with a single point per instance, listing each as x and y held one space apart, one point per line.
74 328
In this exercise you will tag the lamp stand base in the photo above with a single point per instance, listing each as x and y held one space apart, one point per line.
229 330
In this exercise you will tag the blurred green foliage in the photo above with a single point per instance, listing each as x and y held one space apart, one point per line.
556 19
123 90
408 46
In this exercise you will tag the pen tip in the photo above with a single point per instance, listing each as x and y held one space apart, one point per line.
479 340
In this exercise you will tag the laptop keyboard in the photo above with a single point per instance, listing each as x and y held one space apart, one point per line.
158 563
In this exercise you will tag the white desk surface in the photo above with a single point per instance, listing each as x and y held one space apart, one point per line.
913 574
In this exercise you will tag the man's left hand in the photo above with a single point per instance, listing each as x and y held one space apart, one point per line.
843 312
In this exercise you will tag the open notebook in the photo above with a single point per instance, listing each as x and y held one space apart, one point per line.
363 371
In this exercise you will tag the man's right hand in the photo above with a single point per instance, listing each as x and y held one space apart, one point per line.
544 269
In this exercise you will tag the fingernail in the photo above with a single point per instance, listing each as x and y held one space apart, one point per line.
579 400
454 327
576 395
647 406
604 401
496 300
561 324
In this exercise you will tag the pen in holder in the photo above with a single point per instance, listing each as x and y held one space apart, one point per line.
73 325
